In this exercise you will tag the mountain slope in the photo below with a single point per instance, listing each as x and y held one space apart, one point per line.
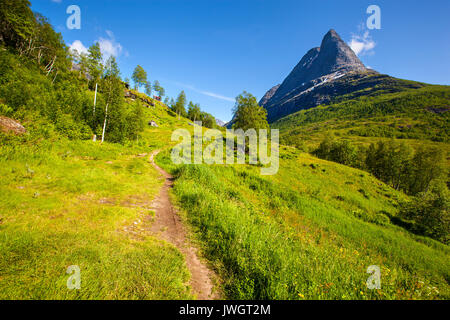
309 232
328 75
291 235
383 111
332 60
331 90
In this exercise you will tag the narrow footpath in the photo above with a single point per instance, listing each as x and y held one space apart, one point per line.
169 227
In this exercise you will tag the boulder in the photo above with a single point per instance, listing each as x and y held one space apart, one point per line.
9 125
152 124
129 94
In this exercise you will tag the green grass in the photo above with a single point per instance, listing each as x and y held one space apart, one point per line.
418 115
309 232
82 203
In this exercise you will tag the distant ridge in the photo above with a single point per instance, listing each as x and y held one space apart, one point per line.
220 123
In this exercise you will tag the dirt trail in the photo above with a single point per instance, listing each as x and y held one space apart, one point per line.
168 225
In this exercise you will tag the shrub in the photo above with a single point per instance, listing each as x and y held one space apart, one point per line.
381 219
429 212
5 110
73 130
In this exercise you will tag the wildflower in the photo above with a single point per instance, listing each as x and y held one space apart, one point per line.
301 296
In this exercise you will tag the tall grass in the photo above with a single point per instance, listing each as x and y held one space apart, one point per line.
269 240
80 203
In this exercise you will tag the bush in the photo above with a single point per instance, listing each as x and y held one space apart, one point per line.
5 110
73 130
381 219
429 212
391 162
338 151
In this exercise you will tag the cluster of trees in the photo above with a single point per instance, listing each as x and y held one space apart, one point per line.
429 213
420 174
140 79
31 35
423 114
38 78
392 162
341 152
193 112
248 114
399 166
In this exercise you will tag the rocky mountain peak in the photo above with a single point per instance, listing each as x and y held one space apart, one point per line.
331 35
336 55
333 59
269 94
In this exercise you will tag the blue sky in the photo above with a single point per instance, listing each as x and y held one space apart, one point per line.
215 49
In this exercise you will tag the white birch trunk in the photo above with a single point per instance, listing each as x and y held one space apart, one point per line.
95 97
104 124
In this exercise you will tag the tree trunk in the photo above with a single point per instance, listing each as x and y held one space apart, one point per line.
55 77
104 124
95 97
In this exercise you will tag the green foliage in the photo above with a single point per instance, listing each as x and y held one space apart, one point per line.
394 164
139 77
208 121
338 151
265 235
420 113
148 88
61 187
194 112
427 165
94 60
67 101
248 114
67 126
16 22
430 214
391 162
135 121
161 91
158 88
5 110
179 107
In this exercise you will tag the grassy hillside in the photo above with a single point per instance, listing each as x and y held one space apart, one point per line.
413 114
70 201
309 232
82 203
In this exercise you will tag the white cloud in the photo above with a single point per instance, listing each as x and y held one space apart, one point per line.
78 46
110 47
218 96
206 93
362 45
57 1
